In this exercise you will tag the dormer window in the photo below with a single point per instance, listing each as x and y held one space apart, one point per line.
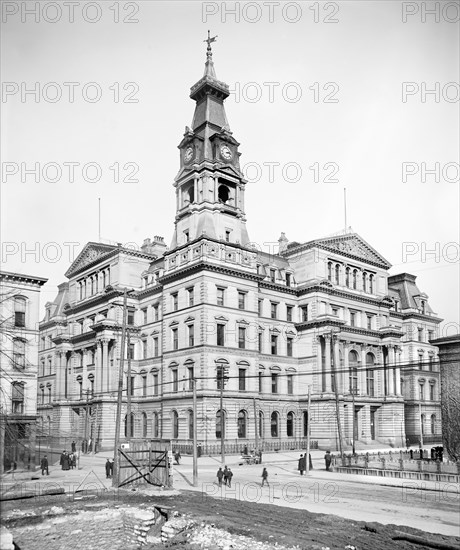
423 307
272 275
288 279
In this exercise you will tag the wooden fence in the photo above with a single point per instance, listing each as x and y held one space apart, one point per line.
144 461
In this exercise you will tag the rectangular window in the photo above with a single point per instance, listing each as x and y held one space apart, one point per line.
191 296
144 349
242 337
304 313
144 386
431 392
260 342
130 383
220 334
430 335
420 334
227 236
335 311
260 382
144 316
289 313
274 383
259 307
131 351
241 300
130 318
242 379
352 318
420 361
191 376
155 384
156 312
290 384
289 342
430 363
288 279
19 319
19 354
175 338
155 347
273 275
191 336
273 310
175 380
175 301
220 296
421 392
274 344
369 322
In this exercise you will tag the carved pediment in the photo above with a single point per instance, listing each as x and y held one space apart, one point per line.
91 253
355 246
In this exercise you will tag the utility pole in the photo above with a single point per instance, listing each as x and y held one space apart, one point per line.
86 421
421 426
354 419
116 458
195 430
336 391
308 432
129 389
255 424
221 381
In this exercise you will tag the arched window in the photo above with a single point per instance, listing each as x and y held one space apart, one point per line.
370 360
290 424
365 282
353 371
80 386
220 425
371 284
189 194
144 425
261 424
190 424
355 279
223 193
329 271
242 423
337 274
156 430
305 423
433 424
422 422
129 430
274 424
175 424
347 277
91 383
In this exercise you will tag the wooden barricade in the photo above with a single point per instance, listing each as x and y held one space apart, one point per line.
145 461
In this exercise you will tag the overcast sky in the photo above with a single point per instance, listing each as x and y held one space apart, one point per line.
347 102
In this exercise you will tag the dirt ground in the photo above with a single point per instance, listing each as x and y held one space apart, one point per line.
264 523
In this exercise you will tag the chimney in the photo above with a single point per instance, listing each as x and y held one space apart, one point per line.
157 247
283 242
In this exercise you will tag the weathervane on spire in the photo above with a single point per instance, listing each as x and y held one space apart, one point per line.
210 40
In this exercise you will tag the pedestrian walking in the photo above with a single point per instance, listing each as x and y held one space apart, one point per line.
107 469
220 475
265 477
260 457
310 462
301 466
73 447
328 460
61 460
44 466
111 467
229 477
177 457
225 475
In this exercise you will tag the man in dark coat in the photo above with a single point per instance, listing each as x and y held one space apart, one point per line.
302 464
74 447
229 477
65 461
328 460
61 460
225 475
44 466
107 469
220 475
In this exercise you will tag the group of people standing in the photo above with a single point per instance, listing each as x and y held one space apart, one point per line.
109 468
68 460
224 475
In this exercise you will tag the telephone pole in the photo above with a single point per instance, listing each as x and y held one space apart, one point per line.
308 432
116 458
195 442
336 391
129 389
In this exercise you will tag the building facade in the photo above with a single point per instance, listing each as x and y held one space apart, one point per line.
255 329
19 318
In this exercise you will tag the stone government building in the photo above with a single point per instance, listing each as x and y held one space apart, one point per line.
323 313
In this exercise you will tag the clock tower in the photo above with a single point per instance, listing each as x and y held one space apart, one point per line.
210 184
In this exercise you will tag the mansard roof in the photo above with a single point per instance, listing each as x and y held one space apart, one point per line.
350 245
404 288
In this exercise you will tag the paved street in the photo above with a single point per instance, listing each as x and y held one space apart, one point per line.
424 505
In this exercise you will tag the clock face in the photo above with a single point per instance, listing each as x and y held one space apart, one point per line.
225 152
188 154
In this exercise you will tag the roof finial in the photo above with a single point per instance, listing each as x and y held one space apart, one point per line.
209 68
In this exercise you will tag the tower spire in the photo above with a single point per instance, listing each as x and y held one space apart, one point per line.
209 65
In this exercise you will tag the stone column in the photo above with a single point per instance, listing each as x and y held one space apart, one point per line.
99 367
346 366
362 373
327 363
391 362
337 366
397 372
59 390
105 365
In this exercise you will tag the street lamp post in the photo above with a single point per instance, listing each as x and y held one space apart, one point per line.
353 391
221 382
